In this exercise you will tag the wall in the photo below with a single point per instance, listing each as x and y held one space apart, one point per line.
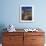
10 13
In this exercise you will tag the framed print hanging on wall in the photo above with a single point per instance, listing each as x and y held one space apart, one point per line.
26 13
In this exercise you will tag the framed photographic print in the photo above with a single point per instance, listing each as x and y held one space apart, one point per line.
26 13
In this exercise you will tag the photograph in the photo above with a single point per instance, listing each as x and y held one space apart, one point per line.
26 13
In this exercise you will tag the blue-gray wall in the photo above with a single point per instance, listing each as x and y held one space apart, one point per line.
10 12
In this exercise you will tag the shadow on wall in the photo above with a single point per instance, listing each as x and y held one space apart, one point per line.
2 26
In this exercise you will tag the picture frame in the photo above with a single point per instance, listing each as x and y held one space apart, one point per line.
26 13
